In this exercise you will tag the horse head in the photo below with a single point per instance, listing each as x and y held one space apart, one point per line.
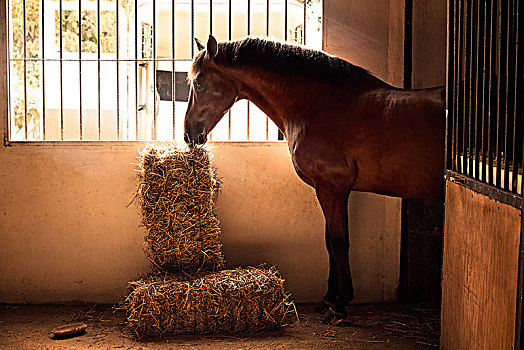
211 94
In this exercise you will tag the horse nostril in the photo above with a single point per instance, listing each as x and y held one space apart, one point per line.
202 138
186 137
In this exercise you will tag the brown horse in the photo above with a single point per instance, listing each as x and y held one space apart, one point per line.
346 130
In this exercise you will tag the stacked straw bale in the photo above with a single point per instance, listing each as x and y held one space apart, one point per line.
176 195
229 301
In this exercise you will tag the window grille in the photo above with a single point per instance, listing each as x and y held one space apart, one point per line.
116 69
486 92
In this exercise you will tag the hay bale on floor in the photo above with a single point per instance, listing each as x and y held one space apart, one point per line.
176 196
229 301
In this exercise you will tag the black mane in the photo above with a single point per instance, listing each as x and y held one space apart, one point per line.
286 58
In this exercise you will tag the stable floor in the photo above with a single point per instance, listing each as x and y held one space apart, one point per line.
368 327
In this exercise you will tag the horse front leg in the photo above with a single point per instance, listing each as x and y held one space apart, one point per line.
330 298
333 201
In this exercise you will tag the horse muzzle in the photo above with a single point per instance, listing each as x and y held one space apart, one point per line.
192 140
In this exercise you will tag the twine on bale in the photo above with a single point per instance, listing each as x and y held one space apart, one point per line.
176 195
229 301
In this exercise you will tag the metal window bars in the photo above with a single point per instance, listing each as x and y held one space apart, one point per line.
109 69
486 92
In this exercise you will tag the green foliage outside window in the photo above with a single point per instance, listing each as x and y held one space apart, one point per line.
89 31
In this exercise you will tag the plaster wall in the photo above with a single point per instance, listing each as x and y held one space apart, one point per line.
369 34
68 233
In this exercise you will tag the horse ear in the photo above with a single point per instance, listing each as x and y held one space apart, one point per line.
212 47
200 46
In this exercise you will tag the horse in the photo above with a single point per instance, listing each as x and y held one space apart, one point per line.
346 130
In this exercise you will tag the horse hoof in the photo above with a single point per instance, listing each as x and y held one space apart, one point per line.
334 318
323 306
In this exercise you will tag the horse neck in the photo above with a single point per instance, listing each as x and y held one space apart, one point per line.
281 97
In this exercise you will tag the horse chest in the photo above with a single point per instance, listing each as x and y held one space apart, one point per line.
300 164
310 163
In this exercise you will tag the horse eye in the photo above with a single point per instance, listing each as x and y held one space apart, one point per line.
199 85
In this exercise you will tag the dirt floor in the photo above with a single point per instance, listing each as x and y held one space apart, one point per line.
368 327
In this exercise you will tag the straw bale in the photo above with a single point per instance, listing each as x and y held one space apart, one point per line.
229 301
176 195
